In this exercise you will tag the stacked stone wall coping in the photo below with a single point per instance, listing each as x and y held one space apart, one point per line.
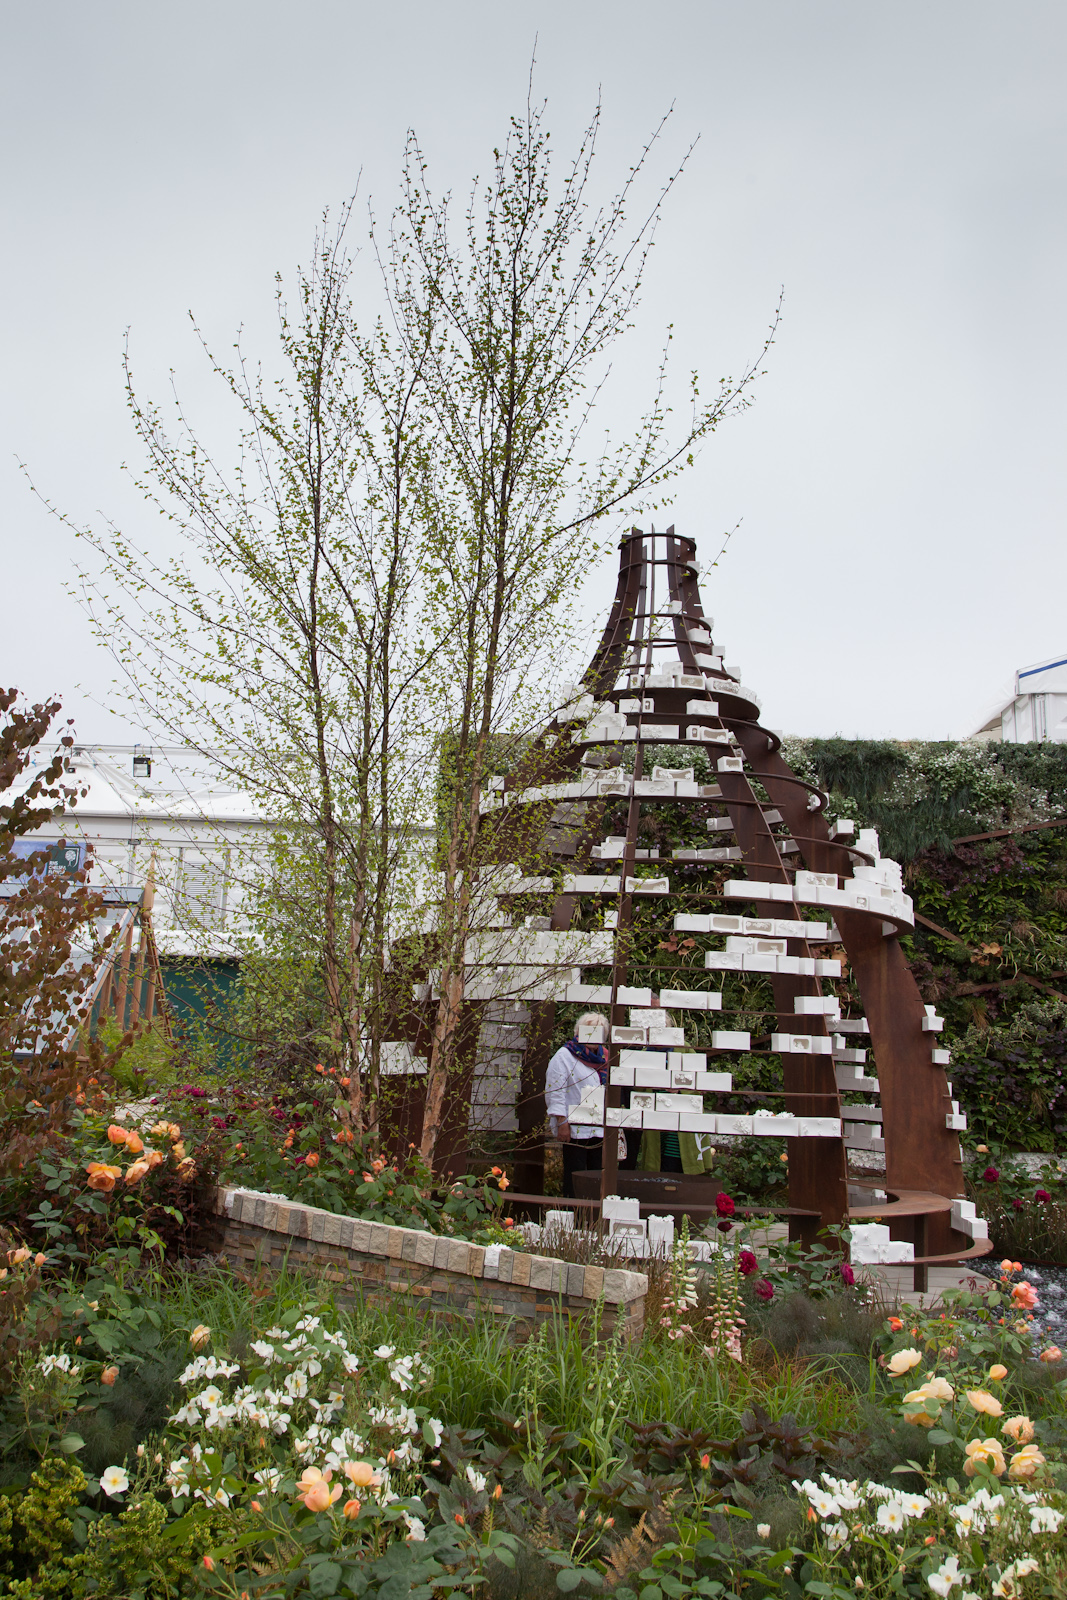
491 1263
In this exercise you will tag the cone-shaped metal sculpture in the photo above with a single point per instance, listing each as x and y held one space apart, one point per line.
753 909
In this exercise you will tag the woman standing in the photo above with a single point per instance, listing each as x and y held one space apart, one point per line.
574 1068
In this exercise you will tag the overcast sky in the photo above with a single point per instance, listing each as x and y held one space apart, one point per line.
896 168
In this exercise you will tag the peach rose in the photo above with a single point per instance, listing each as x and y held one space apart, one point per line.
351 1509
17 1257
1020 1429
116 1134
200 1336
983 1401
136 1171
154 1158
1025 1296
1026 1462
987 1451
109 1375
320 1496
903 1361
361 1474
998 1371
1052 1354
134 1143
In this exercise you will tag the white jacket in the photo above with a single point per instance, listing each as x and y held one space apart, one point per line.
565 1078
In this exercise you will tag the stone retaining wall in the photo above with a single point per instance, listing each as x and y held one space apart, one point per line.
442 1276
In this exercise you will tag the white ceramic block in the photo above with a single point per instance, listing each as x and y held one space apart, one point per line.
730 764
668 1036
955 1122
802 1044
661 1121
816 1005
660 1233
701 708
724 923
698 1122
758 962
690 922
623 1117
621 1035
689 1060
682 1078
715 1082
816 880
731 1040
652 1077
775 1124
941 1058
933 1024
730 1123
623 1077
679 1102
589 1111
819 1127
789 965
615 1208
825 968
631 996
643 1058
643 1100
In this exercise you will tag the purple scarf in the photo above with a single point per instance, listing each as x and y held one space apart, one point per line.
594 1055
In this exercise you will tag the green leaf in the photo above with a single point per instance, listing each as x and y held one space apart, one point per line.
568 1579
325 1578
71 1443
939 1436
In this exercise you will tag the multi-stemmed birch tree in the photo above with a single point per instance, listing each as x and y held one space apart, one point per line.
513 314
390 568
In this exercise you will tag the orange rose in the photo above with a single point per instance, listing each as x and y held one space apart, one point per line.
116 1134
351 1509
361 1474
154 1158
102 1177
311 1159
109 1375
134 1143
1052 1354
17 1257
178 1151
136 1171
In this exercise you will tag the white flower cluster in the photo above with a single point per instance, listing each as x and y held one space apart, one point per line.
60 1363
884 1511
301 1382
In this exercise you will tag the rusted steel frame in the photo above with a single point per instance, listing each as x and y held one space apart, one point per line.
818 1168
609 1166
1007 833
921 1153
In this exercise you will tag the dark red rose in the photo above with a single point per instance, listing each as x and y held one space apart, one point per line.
724 1205
725 1227
847 1274
746 1263
991 1175
764 1290
1042 1195
1017 1205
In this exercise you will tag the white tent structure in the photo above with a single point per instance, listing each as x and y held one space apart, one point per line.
1036 712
